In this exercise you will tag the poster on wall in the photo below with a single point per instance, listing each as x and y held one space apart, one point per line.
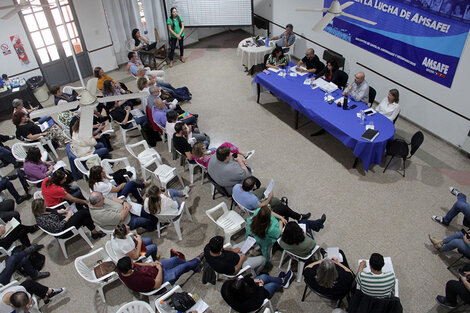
424 36
19 48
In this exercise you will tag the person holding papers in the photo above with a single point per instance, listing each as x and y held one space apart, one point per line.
276 59
34 167
294 240
14 231
374 282
251 196
330 73
359 89
457 288
389 106
311 61
25 128
230 261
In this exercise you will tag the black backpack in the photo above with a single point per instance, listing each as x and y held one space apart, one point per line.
182 301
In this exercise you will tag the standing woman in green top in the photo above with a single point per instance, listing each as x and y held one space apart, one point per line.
176 28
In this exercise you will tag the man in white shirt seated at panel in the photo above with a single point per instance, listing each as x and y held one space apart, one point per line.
389 106
359 89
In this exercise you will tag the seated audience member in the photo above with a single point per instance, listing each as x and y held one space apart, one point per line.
389 106
60 96
20 261
18 106
102 77
158 93
159 111
99 181
460 206
330 73
286 39
7 210
135 68
100 123
25 128
141 42
34 167
54 193
276 59
110 213
59 219
5 183
82 147
125 243
6 157
311 61
329 277
265 228
359 89
249 195
457 288
144 277
248 294
227 170
171 120
111 88
180 140
458 241
20 233
375 283
202 156
294 240
18 298
230 261
164 201
166 91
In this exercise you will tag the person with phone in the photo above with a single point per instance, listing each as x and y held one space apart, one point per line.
460 241
457 288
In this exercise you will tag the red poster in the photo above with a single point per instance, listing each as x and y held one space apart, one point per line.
16 41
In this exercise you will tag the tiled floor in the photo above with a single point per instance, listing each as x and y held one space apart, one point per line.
366 211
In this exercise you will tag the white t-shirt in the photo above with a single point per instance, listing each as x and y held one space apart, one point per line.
168 205
122 246
105 187
389 110
170 129
5 308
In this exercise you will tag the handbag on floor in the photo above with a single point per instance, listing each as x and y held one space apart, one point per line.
103 268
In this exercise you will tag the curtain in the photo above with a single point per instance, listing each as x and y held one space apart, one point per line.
155 18
123 16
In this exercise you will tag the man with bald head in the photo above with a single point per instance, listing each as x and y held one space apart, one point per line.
359 89
311 61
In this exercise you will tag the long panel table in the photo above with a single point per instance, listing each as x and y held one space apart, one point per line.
343 124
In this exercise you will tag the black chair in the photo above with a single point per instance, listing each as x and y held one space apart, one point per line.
396 118
459 259
266 56
372 94
328 55
362 303
399 148
338 301
219 189
342 79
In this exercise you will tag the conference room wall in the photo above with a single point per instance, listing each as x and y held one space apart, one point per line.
424 113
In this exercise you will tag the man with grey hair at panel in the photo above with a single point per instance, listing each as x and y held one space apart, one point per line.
359 89
286 39
108 213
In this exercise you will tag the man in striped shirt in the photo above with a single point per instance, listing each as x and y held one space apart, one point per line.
375 283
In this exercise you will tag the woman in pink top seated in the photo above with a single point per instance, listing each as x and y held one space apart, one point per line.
202 156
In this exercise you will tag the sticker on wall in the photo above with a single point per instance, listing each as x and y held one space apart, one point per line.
5 49
19 48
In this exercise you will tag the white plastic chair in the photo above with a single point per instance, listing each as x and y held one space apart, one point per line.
104 230
73 229
266 305
44 141
70 89
230 221
110 251
148 157
13 283
88 273
290 53
20 149
174 219
191 166
168 139
108 164
6 252
244 269
136 307
300 260
124 131
243 209
81 167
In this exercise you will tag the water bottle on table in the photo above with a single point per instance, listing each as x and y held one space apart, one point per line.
363 116
166 307
266 42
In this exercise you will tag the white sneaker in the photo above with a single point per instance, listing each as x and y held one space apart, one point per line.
186 191
249 154
454 191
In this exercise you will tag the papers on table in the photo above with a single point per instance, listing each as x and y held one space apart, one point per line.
369 126
59 164
282 74
388 267
295 70
275 70
10 225
249 242
330 98
269 188
339 100
325 86
333 252
308 81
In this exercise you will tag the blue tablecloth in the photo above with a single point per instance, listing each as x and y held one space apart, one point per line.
343 124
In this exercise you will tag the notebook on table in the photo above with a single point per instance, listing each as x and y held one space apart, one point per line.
370 134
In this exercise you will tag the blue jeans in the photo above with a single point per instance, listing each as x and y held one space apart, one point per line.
174 267
150 247
6 156
174 194
144 220
461 206
455 241
17 261
271 284
181 94
142 121
102 151
5 183
131 187
43 119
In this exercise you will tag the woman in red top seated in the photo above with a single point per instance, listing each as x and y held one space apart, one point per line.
330 73
53 192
